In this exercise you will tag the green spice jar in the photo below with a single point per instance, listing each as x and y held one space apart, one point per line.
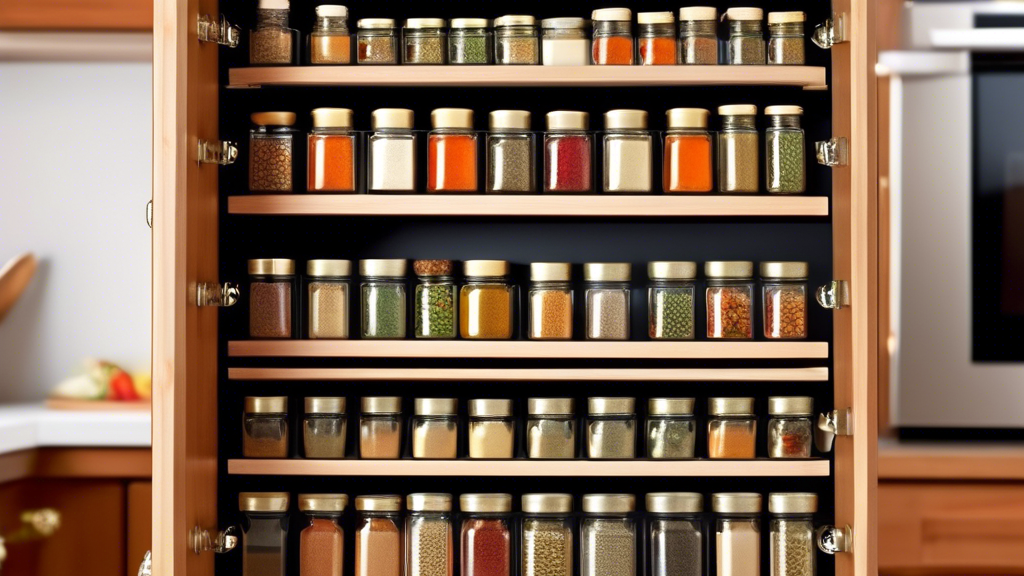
435 303
383 299
784 141
670 297
671 428
792 540
746 36
471 41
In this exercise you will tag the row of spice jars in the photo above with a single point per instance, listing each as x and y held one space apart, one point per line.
550 428
627 150
488 539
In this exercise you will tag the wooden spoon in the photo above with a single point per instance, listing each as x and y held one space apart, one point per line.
14 278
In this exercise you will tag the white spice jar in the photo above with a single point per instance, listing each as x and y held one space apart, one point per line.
607 300
565 42
392 156
492 430
435 428
628 152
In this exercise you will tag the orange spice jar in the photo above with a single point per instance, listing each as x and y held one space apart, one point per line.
689 166
732 428
613 36
322 542
332 152
452 152
657 38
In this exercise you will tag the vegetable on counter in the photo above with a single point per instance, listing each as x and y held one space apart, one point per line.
105 381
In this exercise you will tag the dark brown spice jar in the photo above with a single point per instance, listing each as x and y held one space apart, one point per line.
271 298
265 427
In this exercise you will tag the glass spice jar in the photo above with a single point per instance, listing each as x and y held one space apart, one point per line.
470 41
328 298
564 42
746 36
628 152
511 154
786 38
790 431
426 41
492 430
657 38
325 428
486 301
550 299
670 300
671 428
378 542
675 531
607 300
271 41
322 541
428 535
732 428
486 535
380 428
730 300
376 41
785 164
613 36
689 152
330 42
274 158
435 428
392 150
738 150
568 153
451 152
435 301
791 533
784 294
332 152
611 428
737 533
264 532
271 298
383 299
698 36
547 537
515 38
265 427
551 428
608 535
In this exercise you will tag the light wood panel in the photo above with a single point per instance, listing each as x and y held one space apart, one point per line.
536 375
76 15
950 461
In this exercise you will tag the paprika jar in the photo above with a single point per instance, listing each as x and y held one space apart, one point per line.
272 294
550 299
328 296
486 534
274 155
611 428
435 428
613 36
568 153
471 41
698 36
786 38
732 428
746 36
486 301
657 38
516 41
322 541
739 153
608 535
376 41
791 533
737 533
324 427
330 42
628 152
264 532
265 427
547 537
790 431
551 428
730 299
675 531
784 291
426 41
511 154
392 144
492 429
670 300
689 156
607 300
671 428
428 535
382 299
564 42
435 301
271 41
452 152
378 543
785 163
380 427
332 152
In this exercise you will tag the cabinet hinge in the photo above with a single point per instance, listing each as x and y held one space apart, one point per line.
830 32
832 539
217 31
833 296
833 152
149 214
216 295
201 540
830 425
217 152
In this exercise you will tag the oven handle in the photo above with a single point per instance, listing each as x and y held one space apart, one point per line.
979 39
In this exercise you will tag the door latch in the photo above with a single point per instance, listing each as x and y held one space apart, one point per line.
833 152
217 31
217 295
201 540
833 296
830 32
830 425
832 539
217 152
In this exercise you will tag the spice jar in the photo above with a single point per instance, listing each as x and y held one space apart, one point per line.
428 535
551 428
671 428
568 153
274 161
732 428
329 42
380 428
392 144
746 36
486 534
611 428
607 300
328 293
265 427
325 428
486 301
492 430
628 152
689 164
434 300
791 533
322 541
784 290
271 298
470 41
435 428
737 533
786 38
332 152
790 431
670 297
550 301
271 41
511 154
515 37
613 36
608 535
676 534
657 38
451 154
547 535
564 42
383 299
738 150
784 139
425 41
378 545
376 41
730 299
698 38
264 532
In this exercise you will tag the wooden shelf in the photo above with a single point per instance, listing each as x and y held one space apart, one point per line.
522 467
531 205
535 375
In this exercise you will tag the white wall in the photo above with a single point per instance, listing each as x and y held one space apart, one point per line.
75 176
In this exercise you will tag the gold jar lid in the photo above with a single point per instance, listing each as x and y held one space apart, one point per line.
790 405
736 502
485 268
381 405
625 120
459 118
698 13
325 405
263 501
379 503
392 118
792 503
609 503
608 406
387 268
323 502
786 17
515 20
433 268
688 118
510 120
551 406
744 14
428 502
612 14
670 406
460 23
783 111
568 120
655 18
332 118
490 408
436 407
273 118
547 503
729 269
550 271
793 270
564 23
485 502
266 404
272 267
671 270
731 406
329 268
375 23
737 110
607 272
675 502
419 23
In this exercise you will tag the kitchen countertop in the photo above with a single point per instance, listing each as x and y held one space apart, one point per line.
28 426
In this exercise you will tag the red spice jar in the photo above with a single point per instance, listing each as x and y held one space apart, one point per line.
730 299
784 290
322 543
568 153
613 36
656 42
452 152
486 534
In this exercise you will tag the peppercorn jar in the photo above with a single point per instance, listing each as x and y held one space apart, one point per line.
737 533
613 36
511 154
730 300
264 532
657 38
746 36
435 426
689 152
470 41
606 292
328 294
325 427
564 42
785 164
675 531
330 42
611 428
452 152
426 41
739 153
271 41
628 152
486 534
265 427
670 300
272 293
332 152
698 35
274 158
392 151
790 430
383 299
547 535
322 541
792 534
486 301
376 41
428 535
380 428
516 41
551 428
732 428
784 294
379 540
786 38
492 429
608 535
435 301
550 297
568 153
671 428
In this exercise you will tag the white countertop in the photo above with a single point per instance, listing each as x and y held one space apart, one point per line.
27 426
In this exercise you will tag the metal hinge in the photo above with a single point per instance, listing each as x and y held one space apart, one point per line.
832 539
830 32
830 425
217 31
217 152
216 295
833 152
149 214
202 541
833 296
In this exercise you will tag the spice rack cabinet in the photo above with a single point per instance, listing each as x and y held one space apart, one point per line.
203 95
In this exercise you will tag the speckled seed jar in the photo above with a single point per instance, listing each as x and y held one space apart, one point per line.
785 162
273 154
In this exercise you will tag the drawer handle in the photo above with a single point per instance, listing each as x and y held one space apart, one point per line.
832 540
202 541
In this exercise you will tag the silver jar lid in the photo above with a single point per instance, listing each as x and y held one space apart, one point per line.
436 407
731 406
419 23
551 406
375 23
464 23
675 502
547 503
325 405
383 268
607 272
790 405
550 272
329 268
515 20
510 120
611 406
323 502
792 503
266 404
490 408
671 270
736 502
381 405
609 503
379 503
670 406
788 270
271 267
429 502
563 23
485 502
729 269
263 501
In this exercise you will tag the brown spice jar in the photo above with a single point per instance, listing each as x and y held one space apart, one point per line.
321 548
378 548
